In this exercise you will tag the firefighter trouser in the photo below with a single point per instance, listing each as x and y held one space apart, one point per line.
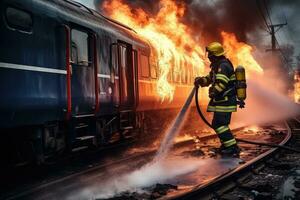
220 124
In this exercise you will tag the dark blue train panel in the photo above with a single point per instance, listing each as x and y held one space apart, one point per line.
32 67
35 72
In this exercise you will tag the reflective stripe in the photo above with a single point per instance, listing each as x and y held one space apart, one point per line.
218 88
222 77
222 85
232 77
222 100
32 68
103 76
221 108
229 142
222 129
224 107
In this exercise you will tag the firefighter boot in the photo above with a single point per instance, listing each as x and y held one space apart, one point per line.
233 151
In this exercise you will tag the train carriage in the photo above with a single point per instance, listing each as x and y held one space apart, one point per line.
71 78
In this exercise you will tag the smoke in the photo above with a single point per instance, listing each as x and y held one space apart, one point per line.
151 7
207 18
182 172
210 18
267 99
142 178
149 175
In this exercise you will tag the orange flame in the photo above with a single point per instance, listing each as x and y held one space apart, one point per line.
169 37
240 53
173 42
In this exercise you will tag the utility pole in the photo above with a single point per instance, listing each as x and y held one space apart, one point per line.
274 28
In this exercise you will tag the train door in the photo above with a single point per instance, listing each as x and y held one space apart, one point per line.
82 72
126 76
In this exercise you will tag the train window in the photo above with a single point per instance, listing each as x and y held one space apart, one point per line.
74 52
19 19
80 48
145 66
176 74
123 56
153 71
153 67
114 57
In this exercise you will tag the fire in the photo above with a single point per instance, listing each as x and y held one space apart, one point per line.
240 53
173 42
170 38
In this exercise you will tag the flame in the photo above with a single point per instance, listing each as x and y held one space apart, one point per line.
173 43
170 38
240 53
297 87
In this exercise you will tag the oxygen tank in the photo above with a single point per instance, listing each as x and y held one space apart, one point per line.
240 83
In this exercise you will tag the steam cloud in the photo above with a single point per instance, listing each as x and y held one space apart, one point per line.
264 105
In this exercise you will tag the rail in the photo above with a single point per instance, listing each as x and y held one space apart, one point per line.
230 179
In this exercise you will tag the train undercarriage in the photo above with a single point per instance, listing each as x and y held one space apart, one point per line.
42 144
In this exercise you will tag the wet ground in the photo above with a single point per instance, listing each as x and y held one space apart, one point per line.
136 176
278 179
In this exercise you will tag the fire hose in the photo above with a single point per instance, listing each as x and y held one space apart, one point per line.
239 139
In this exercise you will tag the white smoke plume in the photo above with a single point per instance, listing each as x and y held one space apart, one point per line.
267 100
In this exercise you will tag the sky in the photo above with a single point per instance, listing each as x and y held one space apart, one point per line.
280 11
88 3
287 10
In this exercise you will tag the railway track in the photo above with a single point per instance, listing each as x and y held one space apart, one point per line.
218 187
48 187
26 190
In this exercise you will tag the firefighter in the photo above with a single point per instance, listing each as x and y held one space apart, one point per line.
222 96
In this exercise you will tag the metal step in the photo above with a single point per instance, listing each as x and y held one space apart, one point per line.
126 111
126 128
81 126
84 138
79 148
83 116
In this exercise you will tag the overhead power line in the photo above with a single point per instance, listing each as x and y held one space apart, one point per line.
268 13
273 29
260 11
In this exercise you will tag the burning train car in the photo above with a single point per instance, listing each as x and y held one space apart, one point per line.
71 78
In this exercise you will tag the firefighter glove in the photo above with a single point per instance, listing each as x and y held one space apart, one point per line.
199 81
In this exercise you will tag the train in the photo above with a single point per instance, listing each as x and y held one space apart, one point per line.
71 77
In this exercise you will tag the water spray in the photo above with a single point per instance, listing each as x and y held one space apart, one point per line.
174 128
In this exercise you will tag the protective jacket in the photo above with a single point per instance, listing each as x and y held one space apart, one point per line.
222 80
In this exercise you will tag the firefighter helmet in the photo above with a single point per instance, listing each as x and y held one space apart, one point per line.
215 49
